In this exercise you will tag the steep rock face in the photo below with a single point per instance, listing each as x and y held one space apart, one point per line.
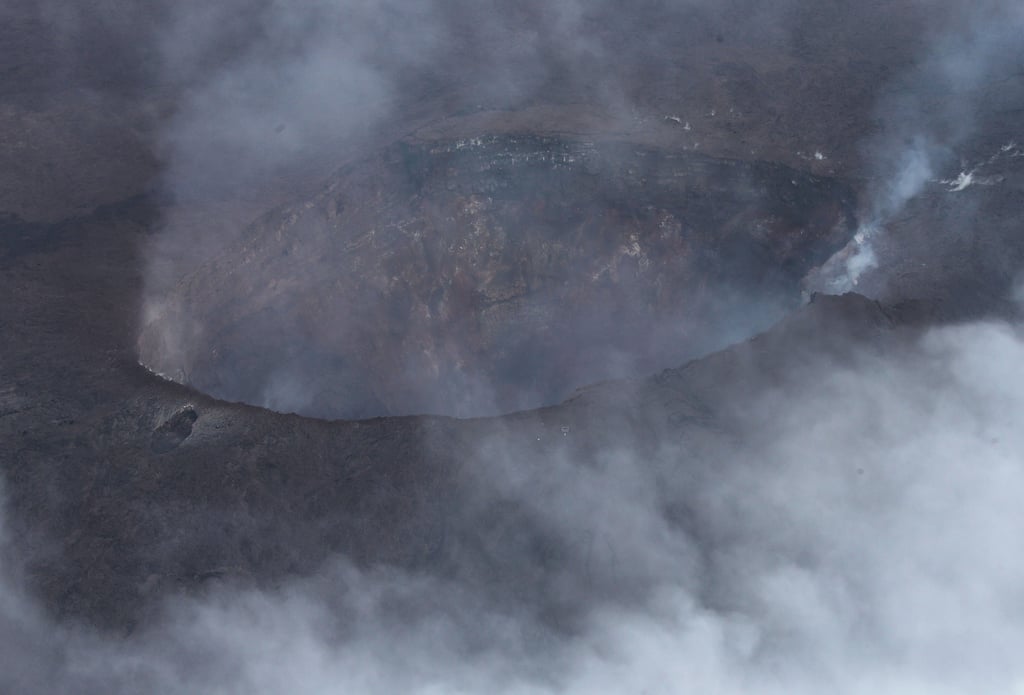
494 273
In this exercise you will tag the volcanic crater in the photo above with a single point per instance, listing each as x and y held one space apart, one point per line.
492 273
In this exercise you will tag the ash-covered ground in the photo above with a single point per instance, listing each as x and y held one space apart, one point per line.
724 296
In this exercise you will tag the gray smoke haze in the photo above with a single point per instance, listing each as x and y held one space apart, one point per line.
854 531
275 100
276 95
930 117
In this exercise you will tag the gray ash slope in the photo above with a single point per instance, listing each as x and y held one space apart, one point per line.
125 492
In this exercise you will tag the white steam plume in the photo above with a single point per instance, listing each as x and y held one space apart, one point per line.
926 115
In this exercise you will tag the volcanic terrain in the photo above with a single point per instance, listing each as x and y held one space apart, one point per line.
505 330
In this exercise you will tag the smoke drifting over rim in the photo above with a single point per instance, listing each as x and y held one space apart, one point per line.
929 117
852 531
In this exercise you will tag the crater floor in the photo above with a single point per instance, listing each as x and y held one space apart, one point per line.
489 274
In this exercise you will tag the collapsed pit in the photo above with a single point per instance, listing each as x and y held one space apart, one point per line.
479 276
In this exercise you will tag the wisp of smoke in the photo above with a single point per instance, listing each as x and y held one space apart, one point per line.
926 115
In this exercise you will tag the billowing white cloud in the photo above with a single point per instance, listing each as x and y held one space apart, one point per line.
855 533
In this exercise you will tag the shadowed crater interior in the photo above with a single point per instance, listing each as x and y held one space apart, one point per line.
477 276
